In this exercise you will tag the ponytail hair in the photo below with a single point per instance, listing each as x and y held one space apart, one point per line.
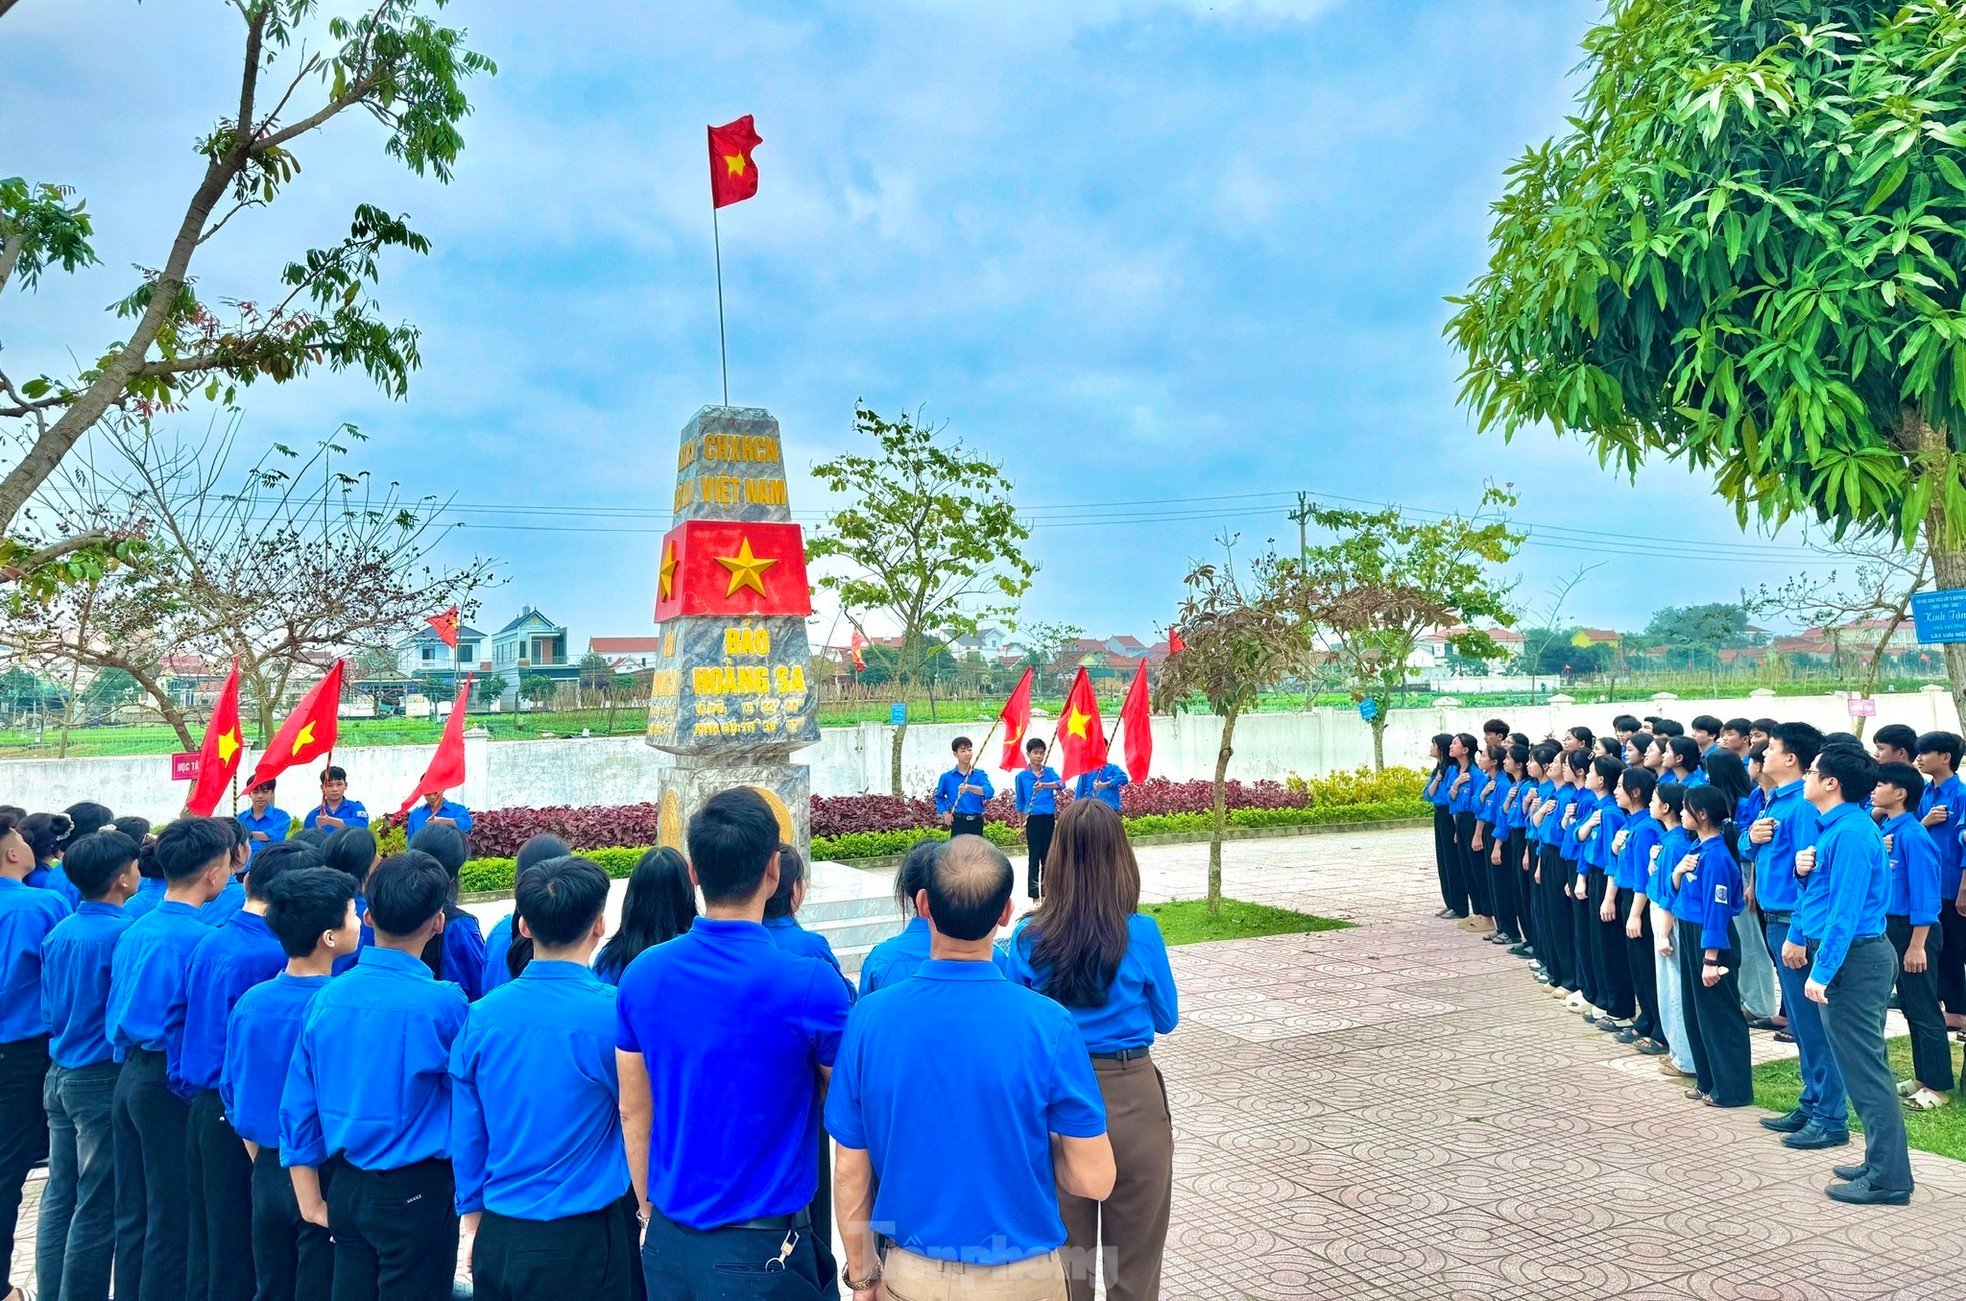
1672 795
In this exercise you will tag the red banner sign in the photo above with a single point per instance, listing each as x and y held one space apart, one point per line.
184 766
720 567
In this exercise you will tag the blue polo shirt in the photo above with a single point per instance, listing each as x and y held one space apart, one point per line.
75 983
896 957
1912 864
1582 804
349 811
420 817
497 944
1952 794
1843 898
1032 800
733 1030
259 1050
150 893
464 954
1141 1001
966 805
1710 895
370 1079
1088 786
1464 800
1597 851
1495 810
228 962
53 878
787 934
225 905
535 1102
1777 889
1440 783
959 1040
1554 832
27 915
274 824
146 977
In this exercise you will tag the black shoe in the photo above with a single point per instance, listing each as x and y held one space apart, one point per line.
1814 1136
1848 1173
1858 1192
1789 1124
1653 1048
1522 950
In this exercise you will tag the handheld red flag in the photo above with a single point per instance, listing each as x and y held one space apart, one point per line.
1136 721
1081 738
446 768
308 732
1175 645
733 176
445 625
224 747
1016 720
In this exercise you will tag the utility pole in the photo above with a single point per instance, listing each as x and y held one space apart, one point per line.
1302 515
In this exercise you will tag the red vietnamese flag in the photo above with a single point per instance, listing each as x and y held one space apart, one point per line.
1016 720
224 747
446 770
730 567
857 644
1081 738
445 625
733 176
1137 723
308 732
1174 643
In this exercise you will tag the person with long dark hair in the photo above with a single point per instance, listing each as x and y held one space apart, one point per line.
45 834
1760 995
1553 792
1492 788
1516 864
1708 898
1576 907
1606 925
456 953
1438 794
1632 848
1089 948
901 956
502 964
660 905
1464 794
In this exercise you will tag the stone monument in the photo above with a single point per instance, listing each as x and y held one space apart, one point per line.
730 700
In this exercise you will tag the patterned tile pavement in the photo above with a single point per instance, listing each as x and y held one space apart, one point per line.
1396 1111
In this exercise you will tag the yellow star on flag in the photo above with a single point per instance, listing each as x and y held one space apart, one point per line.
735 162
668 570
304 737
228 745
746 569
1077 722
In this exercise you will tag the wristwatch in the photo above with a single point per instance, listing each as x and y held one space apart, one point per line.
853 1284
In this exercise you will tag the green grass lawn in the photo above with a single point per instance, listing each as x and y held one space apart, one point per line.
1188 921
1778 1084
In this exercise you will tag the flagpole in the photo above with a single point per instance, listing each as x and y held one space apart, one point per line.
723 353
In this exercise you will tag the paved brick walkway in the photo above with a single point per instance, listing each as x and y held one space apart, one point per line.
1395 1111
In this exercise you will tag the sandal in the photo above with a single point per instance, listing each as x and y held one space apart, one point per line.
1908 1087
1694 1095
1925 1100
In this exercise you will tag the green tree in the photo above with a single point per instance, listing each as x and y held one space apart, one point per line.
110 688
537 689
1424 575
1043 643
928 534
491 688
1745 256
389 60
1699 632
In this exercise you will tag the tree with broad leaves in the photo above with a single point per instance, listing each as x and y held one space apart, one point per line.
1698 633
928 535
1746 256
1450 561
1043 643
387 59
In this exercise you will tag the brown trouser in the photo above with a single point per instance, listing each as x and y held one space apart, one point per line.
908 1277
1128 1230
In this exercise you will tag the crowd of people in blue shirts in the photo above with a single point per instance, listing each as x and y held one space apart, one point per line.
962 793
265 1061
1655 876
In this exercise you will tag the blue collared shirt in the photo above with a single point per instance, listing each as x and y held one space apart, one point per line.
1495 811
1952 794
225 905
1673 844
733 1031
1634 862
146 977
259 1050
370 1079
27 915
464 955
895 958
1440 783
1776 887
150 893
1750 806
1912 863
421 815
274 824
1140 1003
1088 786
1464 800
1554 832
53 878
1710 895
228 962
1582 804
1843 897
1597 852
497 945
787 934
968 804
535 1103
350 812
75 982
1032 800
1008 1061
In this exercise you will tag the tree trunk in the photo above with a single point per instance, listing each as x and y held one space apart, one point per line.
1945 539
1221 812
1379 741
894 762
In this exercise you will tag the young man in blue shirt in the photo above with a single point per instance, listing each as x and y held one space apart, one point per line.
27 915
336 810
78 1204
1942 811
265 825
716 1023
312 912
435 808
146 976
1838 936
240 953
542 1179
368 1094
966 1174
1104 784
1037 800
963 791
1911 915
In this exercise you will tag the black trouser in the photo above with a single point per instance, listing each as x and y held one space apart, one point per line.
1722 1060
219 1183
1505 876
1037 836
1641 961
1553 925
591 1256
966 824
1474 874
684 1264
1949 959
1918 999
1614 977
1858 996
23 1127
1583 929
292 1259
1446 861
822 1209
1521 857
395 1232
153 1224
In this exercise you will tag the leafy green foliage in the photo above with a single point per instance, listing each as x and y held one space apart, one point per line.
41 226
1698 633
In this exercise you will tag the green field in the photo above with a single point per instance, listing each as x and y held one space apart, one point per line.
1188 921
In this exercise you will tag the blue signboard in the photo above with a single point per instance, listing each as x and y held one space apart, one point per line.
1368 709
897 713
1940 616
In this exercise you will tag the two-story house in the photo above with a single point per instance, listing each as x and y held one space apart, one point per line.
423 651
531 646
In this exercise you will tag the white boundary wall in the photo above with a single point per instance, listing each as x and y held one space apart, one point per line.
849 760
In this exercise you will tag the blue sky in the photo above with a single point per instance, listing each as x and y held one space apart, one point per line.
1184 256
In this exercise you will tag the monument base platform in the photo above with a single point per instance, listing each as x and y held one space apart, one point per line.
852 907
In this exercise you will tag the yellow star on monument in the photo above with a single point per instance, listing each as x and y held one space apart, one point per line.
746 569
1076 723
668 585
228 745
735 162
304 737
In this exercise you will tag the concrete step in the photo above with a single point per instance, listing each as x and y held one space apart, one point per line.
852 907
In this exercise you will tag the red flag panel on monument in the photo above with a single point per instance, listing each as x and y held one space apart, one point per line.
1137 726
1081 738
733 176
1016 721
224 747
309 731
719 567
446 770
